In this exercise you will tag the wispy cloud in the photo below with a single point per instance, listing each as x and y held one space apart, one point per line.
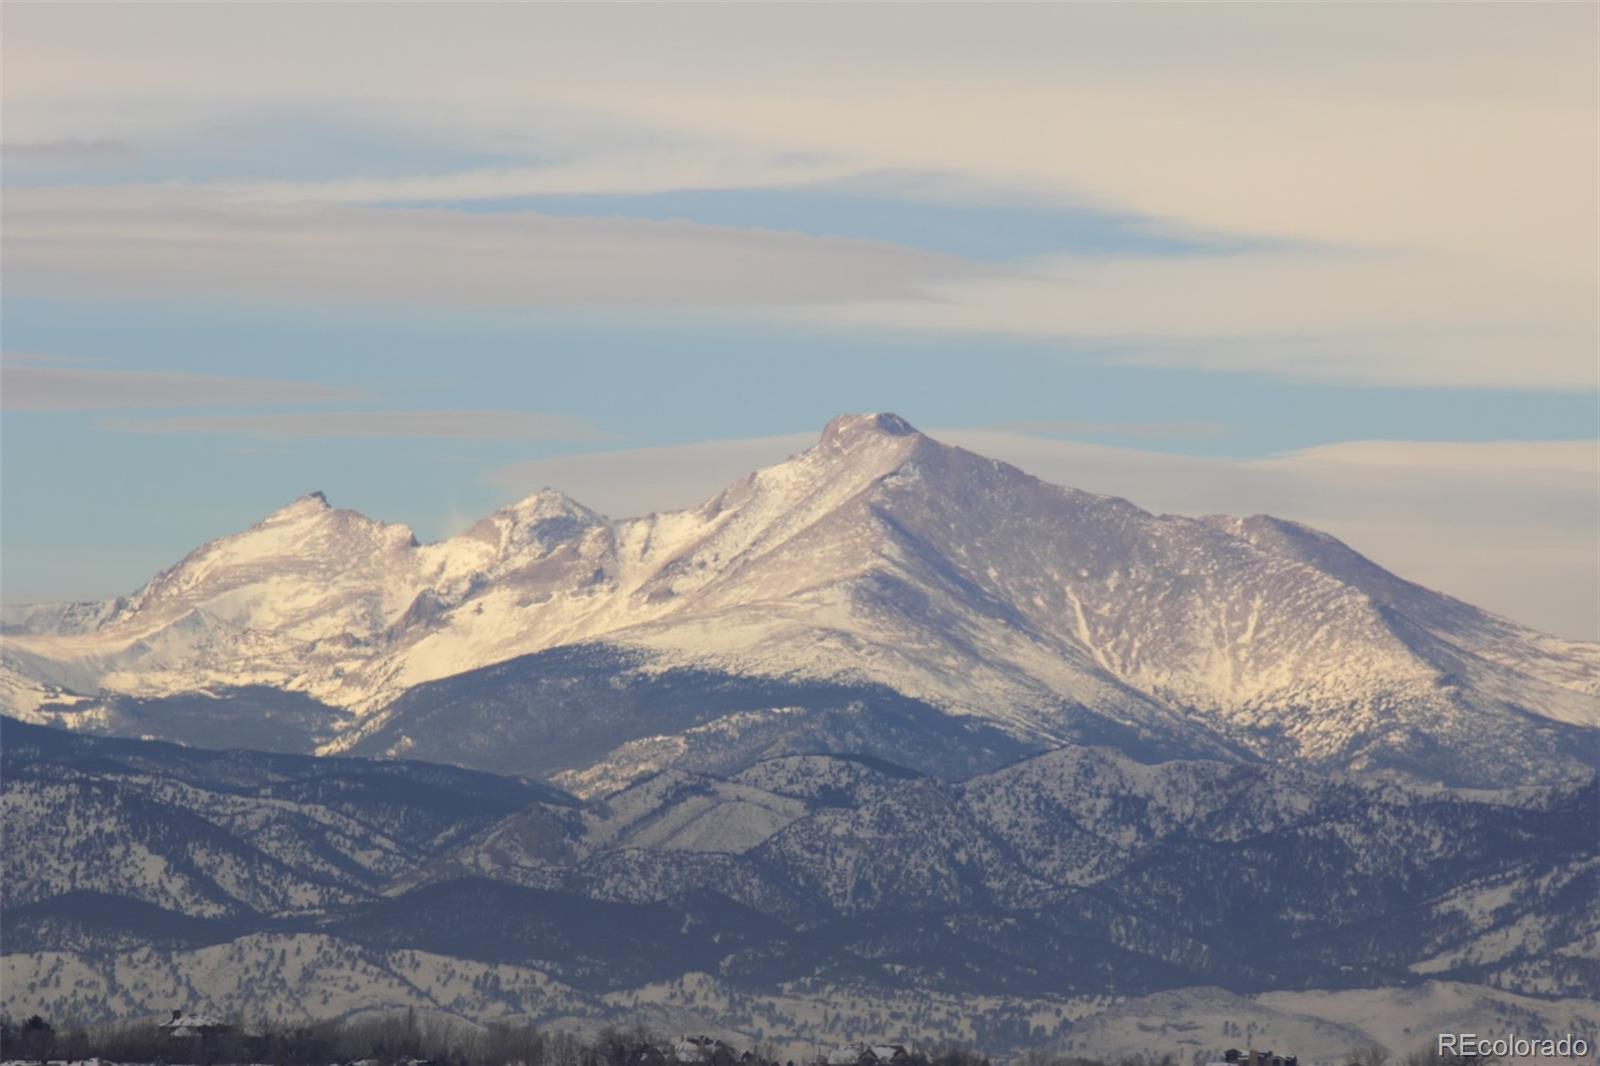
1070 428
1376 316
68 151
1352 140
33 383
186 244
458 425
611 174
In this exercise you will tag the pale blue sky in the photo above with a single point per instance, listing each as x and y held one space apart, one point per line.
642 232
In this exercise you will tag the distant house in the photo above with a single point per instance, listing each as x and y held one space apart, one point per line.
183 1026
869 1055
702 1051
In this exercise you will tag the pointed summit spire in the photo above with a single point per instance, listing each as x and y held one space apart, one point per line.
312 503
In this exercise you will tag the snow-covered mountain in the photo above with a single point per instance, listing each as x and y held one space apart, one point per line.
879 560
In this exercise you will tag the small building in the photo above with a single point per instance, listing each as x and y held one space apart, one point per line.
183 1026
859 1054
702 1051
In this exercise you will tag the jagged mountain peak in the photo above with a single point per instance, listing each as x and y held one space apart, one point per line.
306 527
851 451
545 515
877 556
859 442
547 502
846 429
309 525
308 505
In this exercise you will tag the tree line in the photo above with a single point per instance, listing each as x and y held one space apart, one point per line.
407 1038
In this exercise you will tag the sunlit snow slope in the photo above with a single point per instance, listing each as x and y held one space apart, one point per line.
878 557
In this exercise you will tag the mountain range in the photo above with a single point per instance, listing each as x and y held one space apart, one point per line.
806 898
888 740
879 592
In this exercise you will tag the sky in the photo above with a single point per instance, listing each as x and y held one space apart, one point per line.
1336 263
